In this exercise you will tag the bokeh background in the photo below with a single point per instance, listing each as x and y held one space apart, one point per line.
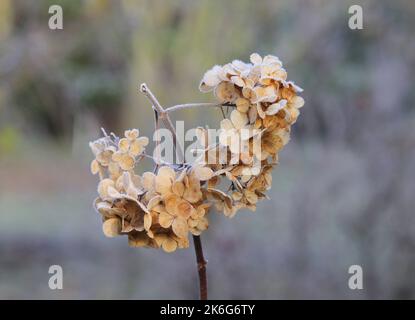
343 193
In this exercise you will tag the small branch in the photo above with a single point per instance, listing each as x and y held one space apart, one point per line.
147 92
201 268
163 116
196 105
157 152
192 105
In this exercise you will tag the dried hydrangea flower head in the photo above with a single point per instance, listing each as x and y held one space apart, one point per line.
266 105
154 210
161 209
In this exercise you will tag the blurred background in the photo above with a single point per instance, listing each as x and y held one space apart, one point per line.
343 193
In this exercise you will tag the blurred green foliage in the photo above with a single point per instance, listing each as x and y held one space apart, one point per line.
9 139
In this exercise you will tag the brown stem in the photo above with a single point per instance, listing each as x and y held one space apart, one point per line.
201 268
163 115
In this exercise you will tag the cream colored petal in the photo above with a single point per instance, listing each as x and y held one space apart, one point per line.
116 157
204 88
252 114
114 170
170 203
251 197
178 188
167 172
136 148
211 77
284 136
126 162
185 209
192 223
242 105
237 196
266 94
297 102
180 227
137 239
159 238
270 59
239 119
111 227
97 146
95 166
132 134
193 194
148 181
240 66
229 71
133 192
238 81
104 157
143 141
293 86
147 221
103 187
203 173
226 92
249 94
126 180
124 145
255 58
203 224
274 108
169 245
153 202
113 193
256 169
246 158
260 111
165 220
164 180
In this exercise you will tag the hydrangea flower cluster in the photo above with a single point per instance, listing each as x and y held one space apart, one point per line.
160 209
266 105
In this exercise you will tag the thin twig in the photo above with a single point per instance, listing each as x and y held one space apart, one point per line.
165 118
192 105
223 112
157 151
196 105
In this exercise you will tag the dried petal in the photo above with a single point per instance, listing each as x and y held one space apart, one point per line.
165 220
180 227
111 227
94 166
169 245
239 119
203 173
